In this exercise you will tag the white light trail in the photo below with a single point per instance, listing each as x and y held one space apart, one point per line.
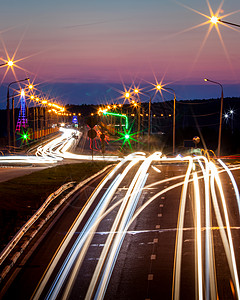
233 183
227 241
114 241
127 213
210 282
198 236
179 238
91 225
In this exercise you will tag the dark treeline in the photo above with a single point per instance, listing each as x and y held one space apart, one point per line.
193 118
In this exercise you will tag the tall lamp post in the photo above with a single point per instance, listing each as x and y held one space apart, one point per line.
8 110
221 109
159 87
127 96
149 116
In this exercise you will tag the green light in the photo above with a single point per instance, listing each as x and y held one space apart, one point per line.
24 136
127 137
117 115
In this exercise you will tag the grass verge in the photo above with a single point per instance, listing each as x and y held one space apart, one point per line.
22 196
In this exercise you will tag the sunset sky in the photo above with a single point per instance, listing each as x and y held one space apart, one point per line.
109 41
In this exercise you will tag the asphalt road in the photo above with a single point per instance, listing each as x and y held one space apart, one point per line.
140 259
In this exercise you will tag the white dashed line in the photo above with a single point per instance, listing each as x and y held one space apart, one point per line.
153 256
150 276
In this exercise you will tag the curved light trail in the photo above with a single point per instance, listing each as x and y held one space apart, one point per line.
208 200
204 177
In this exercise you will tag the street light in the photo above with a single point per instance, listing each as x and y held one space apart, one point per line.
216 20
221 109
136 91
159 87
8 110
8 63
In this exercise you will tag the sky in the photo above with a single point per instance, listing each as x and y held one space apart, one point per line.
65 43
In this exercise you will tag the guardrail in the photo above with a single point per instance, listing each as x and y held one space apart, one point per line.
31 221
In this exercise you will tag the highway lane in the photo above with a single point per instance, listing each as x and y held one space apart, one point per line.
159 228
54 151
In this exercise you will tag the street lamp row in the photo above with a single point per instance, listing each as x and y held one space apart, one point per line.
158 87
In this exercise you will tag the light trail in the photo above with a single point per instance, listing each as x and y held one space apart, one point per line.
233 182
95 219
114 241
198 239
210 282
228 243
81 252
54 151
206 179
179 238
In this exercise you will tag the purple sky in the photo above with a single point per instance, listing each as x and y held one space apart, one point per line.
111 41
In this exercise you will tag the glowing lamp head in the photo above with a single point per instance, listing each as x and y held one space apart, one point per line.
44 102
205 79
127 95
136 91
30 86
214 20
10 63
31 97
158 87
127 136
